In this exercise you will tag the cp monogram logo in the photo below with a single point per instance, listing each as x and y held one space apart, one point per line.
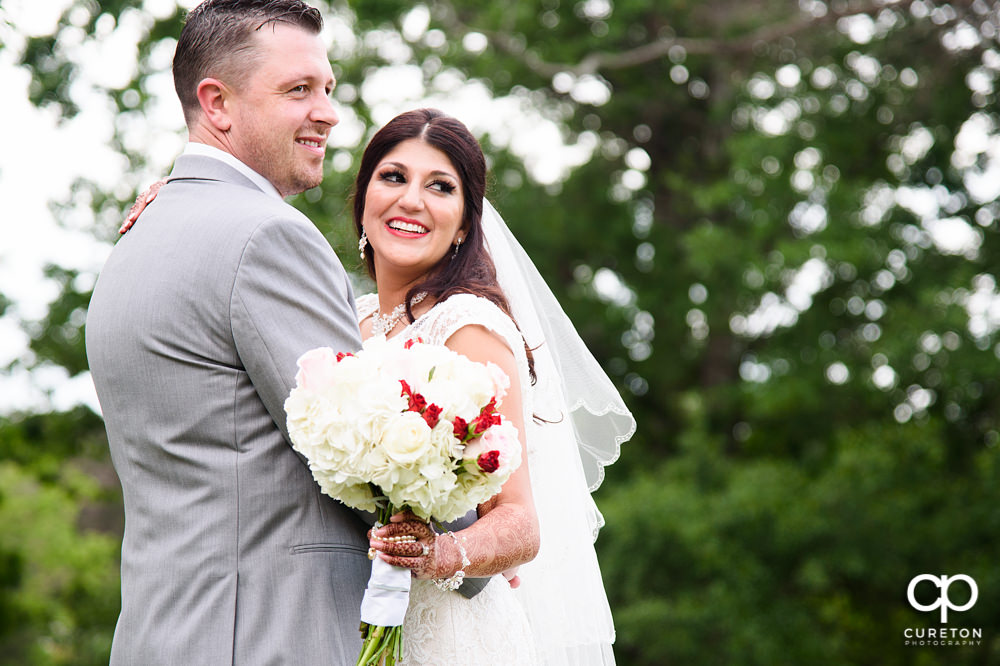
943 602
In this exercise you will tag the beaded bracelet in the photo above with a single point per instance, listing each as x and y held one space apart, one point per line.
454 581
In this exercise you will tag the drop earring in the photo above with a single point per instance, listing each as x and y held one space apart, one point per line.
458 244
363 243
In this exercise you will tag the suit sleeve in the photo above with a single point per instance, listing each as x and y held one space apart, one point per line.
291 294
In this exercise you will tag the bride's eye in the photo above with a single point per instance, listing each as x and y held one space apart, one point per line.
392 176
442 186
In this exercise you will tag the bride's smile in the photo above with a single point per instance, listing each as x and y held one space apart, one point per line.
413 210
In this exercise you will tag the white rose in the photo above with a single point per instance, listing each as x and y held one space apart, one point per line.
406 438
480 384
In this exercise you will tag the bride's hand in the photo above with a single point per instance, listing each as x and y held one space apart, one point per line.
140 204
512 578
410 543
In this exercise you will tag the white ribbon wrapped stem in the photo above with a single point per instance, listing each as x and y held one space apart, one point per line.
387 595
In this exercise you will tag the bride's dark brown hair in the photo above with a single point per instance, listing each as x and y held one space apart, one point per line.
471 270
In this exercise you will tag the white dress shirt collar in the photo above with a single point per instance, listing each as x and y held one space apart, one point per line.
205 150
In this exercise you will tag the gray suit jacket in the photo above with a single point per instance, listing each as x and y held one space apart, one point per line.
231 554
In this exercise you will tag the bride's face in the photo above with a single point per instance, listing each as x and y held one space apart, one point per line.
413 210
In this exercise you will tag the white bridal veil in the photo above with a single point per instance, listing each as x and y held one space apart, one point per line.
586 422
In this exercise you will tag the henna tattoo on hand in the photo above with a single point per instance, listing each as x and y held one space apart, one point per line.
505 536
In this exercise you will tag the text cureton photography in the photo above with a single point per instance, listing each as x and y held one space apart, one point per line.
941 636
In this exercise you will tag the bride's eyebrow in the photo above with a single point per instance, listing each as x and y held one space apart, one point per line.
402 167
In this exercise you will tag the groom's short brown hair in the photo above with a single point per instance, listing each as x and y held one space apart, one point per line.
216 41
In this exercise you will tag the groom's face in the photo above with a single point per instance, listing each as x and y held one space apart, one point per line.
282 114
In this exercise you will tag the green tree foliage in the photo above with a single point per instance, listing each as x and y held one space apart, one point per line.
781 242
59 544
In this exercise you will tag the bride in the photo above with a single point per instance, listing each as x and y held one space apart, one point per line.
447 270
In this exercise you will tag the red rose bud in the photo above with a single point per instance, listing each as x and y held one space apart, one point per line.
432 415
461 428
406 387
342 355
417 403
480 425
489 408
489 461
409 343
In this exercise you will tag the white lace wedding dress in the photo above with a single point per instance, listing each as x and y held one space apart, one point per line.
540 622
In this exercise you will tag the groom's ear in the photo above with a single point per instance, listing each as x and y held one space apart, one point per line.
213 96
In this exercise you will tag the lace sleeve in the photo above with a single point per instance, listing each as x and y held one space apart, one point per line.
366 305
461 310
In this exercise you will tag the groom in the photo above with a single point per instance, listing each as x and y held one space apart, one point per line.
231 555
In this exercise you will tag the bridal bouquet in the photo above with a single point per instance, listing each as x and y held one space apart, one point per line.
395 427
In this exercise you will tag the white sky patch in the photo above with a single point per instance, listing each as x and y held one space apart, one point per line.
809 280
807 217
837 373
878 201
772 313
921 201
389 46
950 235
954 236
983 306
33 17
779 120
980 80
611 289
884 377
415 23
46 389
860 28
475 42
39 163
916 144
866 67
775 311
823 77
788 76
977 154
753 371
761 87
973 138
962 38
385 88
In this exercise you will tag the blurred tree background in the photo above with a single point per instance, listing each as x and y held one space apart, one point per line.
775 223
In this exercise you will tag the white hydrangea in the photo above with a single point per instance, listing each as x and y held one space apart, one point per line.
352 419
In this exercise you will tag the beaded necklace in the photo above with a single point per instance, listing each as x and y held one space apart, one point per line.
382 324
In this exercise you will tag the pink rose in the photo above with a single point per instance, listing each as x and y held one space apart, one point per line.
500 440
501 382
317 369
